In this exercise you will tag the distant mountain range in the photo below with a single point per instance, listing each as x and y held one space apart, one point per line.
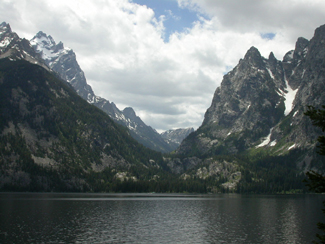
175 137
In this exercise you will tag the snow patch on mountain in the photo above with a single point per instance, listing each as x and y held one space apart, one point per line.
270 73
5 42
267 140
289 96
47 47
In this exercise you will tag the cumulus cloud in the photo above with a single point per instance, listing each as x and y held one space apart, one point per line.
121 47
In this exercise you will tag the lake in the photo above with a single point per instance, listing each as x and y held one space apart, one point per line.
158 218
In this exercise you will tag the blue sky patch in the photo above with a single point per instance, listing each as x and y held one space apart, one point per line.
176 19
268 36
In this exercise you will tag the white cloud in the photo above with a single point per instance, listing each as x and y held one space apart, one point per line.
120 47
293 17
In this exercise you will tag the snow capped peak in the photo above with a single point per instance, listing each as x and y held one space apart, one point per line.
43 40
46 45
6 36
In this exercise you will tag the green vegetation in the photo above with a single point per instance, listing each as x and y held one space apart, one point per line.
264 173
53 140
316 181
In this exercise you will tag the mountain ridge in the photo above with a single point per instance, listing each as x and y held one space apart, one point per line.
64 62
52 139
260 105
175 137
254 137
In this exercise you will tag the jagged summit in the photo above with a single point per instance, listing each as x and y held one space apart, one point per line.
176 136
128 111
15 48
253 57
47 40
5 27
253 52
46 46
44 51
261 104
320 32
63 61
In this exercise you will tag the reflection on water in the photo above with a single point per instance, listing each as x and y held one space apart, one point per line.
156 218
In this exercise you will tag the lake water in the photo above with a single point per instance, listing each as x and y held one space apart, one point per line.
158 218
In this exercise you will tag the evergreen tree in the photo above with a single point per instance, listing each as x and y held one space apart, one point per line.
316 181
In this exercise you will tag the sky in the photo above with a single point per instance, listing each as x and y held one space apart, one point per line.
164 58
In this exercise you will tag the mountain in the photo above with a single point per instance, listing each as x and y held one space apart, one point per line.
254 138
175 137
15 48
260 105
63 61
51 139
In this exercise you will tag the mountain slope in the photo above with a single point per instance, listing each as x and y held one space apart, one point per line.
260 106
51 139
63 61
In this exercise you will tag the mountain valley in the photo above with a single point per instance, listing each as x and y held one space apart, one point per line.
63 61
57 135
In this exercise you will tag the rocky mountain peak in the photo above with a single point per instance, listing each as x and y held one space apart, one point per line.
261 104
5 27
300 49
316 48
6 37
320 32
176 136
253 57
129 112
15 48
46 40
272 57
252 52
64 62
45 45
301 44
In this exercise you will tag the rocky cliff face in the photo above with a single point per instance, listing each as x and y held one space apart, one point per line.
261 104
63 61
15 48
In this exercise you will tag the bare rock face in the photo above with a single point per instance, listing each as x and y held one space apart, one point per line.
63 61
179 166
261 103
16 48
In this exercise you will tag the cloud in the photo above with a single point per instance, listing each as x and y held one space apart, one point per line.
121 46
295 17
